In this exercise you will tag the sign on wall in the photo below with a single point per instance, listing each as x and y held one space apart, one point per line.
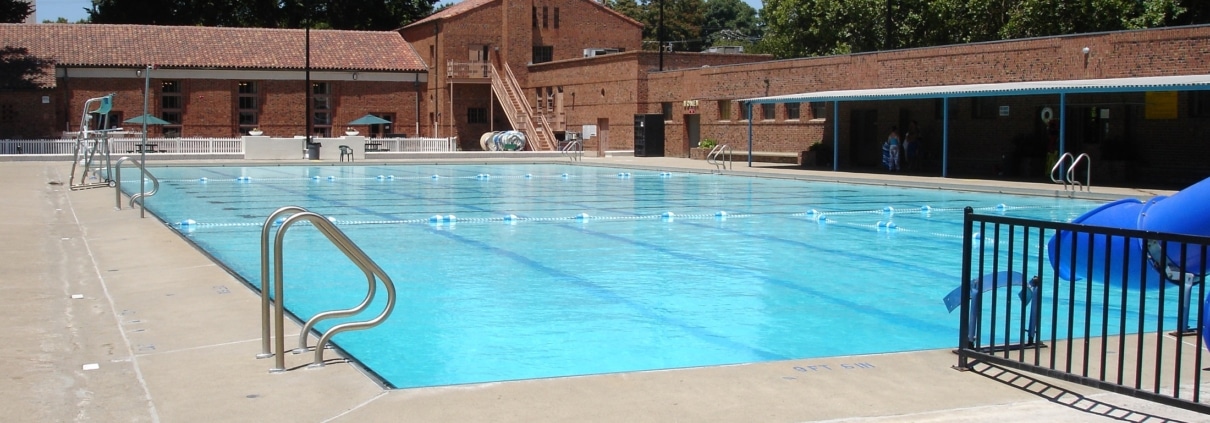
1160 105
690 107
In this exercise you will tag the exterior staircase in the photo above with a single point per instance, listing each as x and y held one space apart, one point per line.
536 128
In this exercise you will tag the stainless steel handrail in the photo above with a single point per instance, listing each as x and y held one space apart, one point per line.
1056 173
117 173
1071 170
351 251
266 352
573 150
723 150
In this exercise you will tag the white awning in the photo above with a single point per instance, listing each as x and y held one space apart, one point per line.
1139 84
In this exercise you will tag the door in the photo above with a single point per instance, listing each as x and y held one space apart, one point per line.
865 143
693 133
602 136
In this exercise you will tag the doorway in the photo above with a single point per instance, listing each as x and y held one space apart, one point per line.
865 149
693 133
602 136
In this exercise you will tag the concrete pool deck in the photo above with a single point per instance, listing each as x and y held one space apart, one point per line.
173 337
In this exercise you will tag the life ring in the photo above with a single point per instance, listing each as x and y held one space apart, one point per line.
1047 115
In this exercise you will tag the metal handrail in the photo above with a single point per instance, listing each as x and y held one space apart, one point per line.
1056 174
351 251
1071 170
723 150
117 173
573 150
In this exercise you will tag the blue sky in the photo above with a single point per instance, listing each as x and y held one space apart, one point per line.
73 10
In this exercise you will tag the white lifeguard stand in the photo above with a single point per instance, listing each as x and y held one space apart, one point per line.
92 151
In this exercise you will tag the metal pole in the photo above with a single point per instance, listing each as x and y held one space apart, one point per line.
143 148
945 136
836 135
307 93
661 35
749 107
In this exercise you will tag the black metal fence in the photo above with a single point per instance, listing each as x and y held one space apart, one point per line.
1114 309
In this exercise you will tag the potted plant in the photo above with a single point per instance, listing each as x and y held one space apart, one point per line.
816 154
703 149
350 131
256 132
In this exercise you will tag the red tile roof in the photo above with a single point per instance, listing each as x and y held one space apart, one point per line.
95 45
467 5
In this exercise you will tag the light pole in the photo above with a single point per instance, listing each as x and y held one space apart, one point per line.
143 148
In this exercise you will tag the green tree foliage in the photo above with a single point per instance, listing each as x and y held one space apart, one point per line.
798 28
18 69
15 11
377 15
683 20
730 22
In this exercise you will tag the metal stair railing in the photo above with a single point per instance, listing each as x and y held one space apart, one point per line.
573 150
1065 175
350 250
521 116
722 151
117 173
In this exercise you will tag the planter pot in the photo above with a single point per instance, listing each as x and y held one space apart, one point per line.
255 133
697 153
351 133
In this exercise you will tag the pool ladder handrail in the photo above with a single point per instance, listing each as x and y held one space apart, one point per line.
117 173
1069 177
721 150
350 250
573 150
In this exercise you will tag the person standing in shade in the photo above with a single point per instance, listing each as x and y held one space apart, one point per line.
911 146
891 150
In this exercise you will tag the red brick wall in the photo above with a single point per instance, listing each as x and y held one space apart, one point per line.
23 115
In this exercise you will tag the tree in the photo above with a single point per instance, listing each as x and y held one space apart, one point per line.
1038 18
730 22
15 11
800 28
682 21
18 69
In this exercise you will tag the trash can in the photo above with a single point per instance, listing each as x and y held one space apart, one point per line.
313 151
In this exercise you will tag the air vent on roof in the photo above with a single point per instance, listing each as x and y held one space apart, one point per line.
594 52
726 49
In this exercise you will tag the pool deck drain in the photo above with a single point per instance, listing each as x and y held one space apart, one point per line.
115 318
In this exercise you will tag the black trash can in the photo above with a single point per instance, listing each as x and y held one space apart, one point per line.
313 151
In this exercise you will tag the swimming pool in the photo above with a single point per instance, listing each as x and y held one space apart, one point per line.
601 269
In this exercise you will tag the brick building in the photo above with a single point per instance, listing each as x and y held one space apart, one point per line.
214 82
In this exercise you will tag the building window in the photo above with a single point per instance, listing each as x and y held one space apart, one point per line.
321 108
793 111
768 111
817 110
539 99
171 105
724 110
382 130
476 115
535 16
556 18
248 107
543 17
666 109
745 110
543 54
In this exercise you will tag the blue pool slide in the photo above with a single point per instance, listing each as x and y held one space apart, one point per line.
1184 212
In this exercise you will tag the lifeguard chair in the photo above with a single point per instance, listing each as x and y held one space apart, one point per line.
92 150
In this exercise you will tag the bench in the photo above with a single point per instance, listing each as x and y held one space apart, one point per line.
766 156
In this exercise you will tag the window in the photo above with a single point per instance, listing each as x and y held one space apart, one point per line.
768 111
724 110
817 110
476 115
745 110
248 107
543 16
556 18
539 99
170 108
793 111
535 16
543 54
382 130
321 108
666 109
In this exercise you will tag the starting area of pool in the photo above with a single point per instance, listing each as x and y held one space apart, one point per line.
509 272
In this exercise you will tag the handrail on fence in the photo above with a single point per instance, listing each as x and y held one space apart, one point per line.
1100 302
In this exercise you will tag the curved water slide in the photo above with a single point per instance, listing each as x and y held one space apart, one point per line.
1185 212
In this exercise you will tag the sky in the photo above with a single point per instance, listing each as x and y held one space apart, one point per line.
73 10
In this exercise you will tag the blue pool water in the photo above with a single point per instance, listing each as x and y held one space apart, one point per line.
602 270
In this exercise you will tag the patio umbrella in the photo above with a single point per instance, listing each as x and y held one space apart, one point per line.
369 120
151 120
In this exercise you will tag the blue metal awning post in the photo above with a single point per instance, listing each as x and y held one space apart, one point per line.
945 136
749 106
835 135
